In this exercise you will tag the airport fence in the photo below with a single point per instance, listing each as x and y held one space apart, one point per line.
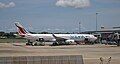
71 59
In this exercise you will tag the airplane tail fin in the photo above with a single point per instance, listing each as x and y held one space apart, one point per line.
21 30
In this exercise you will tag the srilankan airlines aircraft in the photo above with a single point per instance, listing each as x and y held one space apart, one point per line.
57 39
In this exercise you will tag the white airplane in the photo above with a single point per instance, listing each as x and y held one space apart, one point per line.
55 38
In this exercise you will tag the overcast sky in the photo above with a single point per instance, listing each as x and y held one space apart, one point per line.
59 15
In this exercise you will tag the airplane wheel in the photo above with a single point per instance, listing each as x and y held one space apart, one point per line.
55 44
39 44
35 44
27 43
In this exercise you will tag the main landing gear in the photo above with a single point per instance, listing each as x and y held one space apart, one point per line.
39 42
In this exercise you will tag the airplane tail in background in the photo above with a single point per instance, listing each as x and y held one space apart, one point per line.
21 30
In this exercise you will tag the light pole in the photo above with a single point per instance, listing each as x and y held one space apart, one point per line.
96 21
79 27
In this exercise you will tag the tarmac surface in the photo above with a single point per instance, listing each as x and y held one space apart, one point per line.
91 53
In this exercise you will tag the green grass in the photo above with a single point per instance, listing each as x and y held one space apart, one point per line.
12 40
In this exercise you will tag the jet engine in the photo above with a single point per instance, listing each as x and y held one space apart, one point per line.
69 41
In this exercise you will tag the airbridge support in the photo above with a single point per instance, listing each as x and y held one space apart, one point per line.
66 59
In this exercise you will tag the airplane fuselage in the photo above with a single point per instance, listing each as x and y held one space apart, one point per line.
56 38
49 37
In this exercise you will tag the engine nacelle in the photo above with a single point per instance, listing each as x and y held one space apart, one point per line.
70 41
53 40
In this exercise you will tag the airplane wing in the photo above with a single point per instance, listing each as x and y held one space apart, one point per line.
59 38
62 40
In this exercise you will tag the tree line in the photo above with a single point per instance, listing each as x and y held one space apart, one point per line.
8 35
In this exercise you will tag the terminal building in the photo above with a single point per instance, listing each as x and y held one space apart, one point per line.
106 35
